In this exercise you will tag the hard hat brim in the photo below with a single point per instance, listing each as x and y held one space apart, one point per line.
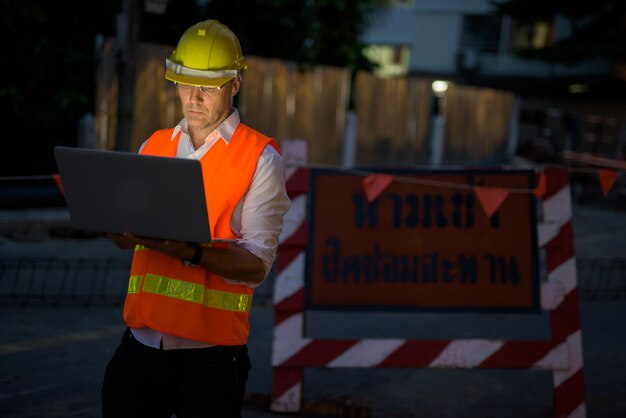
196 81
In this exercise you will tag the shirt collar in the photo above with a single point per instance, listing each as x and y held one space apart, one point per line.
225 130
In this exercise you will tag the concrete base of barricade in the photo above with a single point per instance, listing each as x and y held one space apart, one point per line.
311 408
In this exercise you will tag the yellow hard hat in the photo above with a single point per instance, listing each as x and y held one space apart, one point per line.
208 54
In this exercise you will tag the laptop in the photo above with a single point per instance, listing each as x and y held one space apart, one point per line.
149 196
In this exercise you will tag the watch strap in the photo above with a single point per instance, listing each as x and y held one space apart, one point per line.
196 257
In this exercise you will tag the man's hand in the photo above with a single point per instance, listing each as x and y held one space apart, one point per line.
235 263
175 249
121 241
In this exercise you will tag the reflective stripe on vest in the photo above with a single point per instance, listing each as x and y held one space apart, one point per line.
190 292
134 284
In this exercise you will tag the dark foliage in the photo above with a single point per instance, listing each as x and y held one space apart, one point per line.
50 56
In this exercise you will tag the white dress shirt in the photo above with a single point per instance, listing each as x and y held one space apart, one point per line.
257 218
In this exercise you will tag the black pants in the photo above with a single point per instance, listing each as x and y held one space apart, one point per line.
141 381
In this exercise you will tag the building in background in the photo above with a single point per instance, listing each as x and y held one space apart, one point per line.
576 106
467 40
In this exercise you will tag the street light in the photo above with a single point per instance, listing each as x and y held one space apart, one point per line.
439 87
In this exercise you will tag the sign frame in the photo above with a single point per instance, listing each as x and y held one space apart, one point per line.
561 353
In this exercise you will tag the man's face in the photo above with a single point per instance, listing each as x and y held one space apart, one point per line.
205 110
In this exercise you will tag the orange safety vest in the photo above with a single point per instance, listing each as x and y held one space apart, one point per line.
192 302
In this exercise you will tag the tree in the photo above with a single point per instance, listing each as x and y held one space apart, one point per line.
50 55
48 78
309 33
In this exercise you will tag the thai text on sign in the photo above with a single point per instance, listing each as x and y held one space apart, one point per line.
425 242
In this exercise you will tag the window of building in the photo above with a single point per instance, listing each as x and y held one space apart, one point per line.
536 35
391 60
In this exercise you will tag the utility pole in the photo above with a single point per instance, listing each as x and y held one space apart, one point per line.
127 36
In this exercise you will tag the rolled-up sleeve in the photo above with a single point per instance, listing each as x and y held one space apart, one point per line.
258 218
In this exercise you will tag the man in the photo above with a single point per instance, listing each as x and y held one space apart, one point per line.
184 351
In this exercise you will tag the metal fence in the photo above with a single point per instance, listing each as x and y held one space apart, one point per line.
63 282
602 278
50 281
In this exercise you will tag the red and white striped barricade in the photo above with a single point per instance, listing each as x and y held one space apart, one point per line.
561 353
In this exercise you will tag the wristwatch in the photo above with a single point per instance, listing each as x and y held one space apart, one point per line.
196 257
